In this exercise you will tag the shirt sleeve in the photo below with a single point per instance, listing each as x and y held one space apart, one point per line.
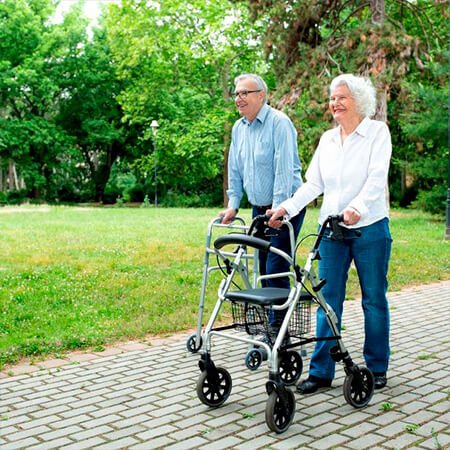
285 143
235 183
377 172
309 190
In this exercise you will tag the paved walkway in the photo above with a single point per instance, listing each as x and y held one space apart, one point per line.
144 397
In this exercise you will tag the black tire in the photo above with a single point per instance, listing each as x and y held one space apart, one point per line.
359 388
214 389
291 367
191 343
253 359
279 416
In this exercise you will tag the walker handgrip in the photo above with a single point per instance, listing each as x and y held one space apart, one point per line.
336 234
241 239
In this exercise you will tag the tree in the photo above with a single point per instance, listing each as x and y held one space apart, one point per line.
30 50
90 113
312 41
178 59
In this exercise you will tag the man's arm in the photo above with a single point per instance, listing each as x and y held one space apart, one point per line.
285 144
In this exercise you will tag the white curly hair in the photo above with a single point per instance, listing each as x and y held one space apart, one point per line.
362 91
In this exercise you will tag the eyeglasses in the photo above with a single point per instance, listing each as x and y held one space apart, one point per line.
244 93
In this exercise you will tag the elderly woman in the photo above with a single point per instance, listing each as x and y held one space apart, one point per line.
350 168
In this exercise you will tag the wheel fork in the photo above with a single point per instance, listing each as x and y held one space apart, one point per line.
275 384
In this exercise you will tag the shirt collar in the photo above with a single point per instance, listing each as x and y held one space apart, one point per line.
363 126
261 116
361 129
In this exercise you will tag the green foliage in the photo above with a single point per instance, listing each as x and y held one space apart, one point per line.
404 54
75 106
178 61
425 123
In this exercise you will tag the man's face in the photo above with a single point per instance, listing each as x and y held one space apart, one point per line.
250 104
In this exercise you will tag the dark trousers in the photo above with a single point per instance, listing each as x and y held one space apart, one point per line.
270 263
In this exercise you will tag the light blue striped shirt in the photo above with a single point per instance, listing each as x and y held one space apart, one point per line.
263 159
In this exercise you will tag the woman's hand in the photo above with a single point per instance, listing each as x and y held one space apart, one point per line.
351 216
276 214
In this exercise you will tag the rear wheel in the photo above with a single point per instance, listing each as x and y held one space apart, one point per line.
291 367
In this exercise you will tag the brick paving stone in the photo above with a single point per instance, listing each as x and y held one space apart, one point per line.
157 443
20 435
86 434
52 445
393 429
413 407
441 441
21 444
326 429
223 444
262 442
93 442
357 430
297 442
222 420
356 416
156 432
196 442
330 441
118 444
51 435
404 441
366 442
38 422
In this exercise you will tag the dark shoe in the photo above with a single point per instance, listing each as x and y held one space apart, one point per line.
311 384
380 380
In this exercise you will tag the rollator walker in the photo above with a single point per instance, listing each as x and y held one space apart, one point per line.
252 311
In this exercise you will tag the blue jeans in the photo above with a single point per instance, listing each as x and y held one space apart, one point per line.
269 263
370 253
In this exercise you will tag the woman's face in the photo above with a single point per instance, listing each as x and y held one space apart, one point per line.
342 105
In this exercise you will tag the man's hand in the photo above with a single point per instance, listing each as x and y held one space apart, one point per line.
228 215
276 214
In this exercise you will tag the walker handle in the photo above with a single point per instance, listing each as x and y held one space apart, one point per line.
242 239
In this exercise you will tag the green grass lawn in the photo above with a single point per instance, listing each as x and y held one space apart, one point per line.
77 277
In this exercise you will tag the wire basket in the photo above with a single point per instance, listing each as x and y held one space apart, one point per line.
254 319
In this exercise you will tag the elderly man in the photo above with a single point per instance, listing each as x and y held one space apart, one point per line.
263 162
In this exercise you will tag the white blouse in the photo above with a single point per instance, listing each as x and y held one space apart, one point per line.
352 173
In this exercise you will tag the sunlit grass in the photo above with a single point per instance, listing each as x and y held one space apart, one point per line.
77 277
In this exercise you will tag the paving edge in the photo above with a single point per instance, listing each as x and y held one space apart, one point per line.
29 366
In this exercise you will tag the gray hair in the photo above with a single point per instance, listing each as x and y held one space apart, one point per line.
362 91
260 83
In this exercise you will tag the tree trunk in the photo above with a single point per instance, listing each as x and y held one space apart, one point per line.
379 60
378 67
13 184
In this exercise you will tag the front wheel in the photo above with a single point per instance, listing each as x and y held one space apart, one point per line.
279 414
254 358
359 387
194 343
214 388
